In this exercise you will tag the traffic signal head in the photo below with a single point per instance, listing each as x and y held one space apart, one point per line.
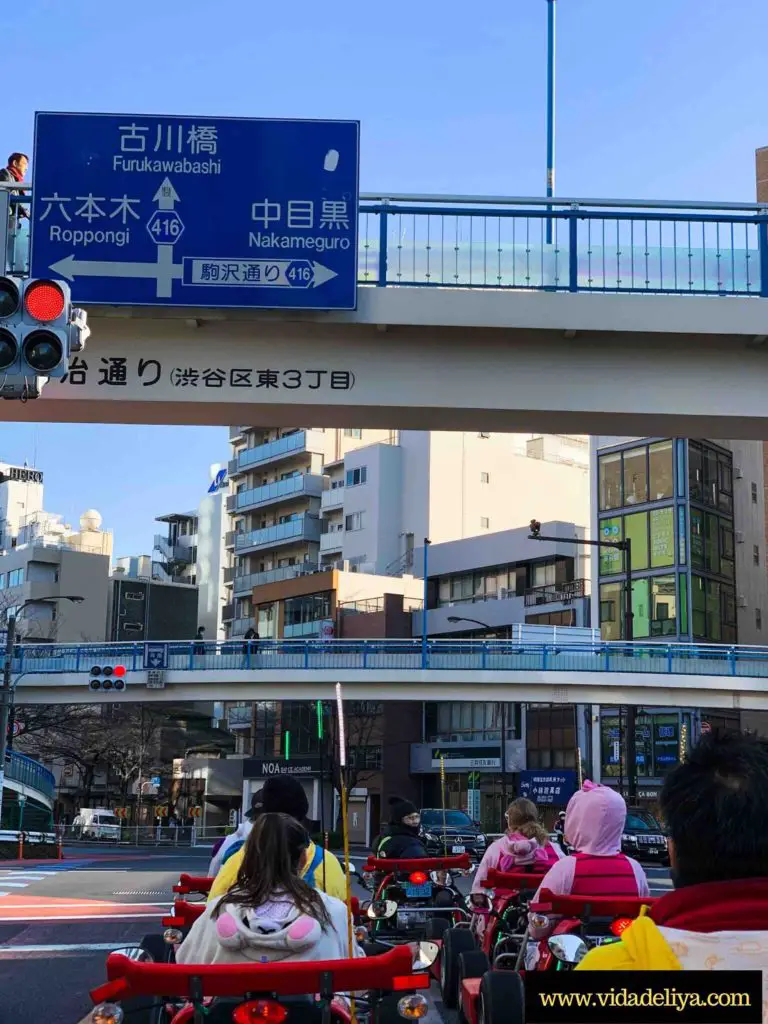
38 328
107 677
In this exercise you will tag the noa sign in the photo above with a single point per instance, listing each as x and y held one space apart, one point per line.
260 768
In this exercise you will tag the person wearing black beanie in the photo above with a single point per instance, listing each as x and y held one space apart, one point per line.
400 839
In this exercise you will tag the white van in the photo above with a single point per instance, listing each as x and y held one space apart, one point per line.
96 823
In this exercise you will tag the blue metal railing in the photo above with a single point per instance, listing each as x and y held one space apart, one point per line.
596 245
457 655
28 772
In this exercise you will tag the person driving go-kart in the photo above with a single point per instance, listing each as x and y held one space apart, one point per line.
270 913
525 843
594 824
399 840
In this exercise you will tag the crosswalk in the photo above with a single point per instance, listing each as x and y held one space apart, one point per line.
14 879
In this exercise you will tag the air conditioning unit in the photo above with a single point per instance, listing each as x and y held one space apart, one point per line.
738 473
739 536
741 601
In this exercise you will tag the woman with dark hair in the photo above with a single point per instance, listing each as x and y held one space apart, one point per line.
270 913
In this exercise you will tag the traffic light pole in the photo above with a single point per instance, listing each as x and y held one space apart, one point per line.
5 701
629 634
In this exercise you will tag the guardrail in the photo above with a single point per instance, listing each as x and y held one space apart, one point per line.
443 655
499 242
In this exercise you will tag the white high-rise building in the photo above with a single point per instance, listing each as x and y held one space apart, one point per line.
307 499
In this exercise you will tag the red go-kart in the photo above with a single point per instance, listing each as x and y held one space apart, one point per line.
414 899
387 988
498 923
581 923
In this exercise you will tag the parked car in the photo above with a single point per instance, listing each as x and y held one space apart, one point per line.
451 832
644 837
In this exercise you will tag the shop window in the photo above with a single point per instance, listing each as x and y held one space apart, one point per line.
641 626
610 480
636 476
636 530
662 537
660 466
663 602
611 559
611 611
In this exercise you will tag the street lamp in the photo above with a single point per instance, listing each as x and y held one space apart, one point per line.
624 546
6 694
503 714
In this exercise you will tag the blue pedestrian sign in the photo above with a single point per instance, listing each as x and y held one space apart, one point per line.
155 656
142 210
544 787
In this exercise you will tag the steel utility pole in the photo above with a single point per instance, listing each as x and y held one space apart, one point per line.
626 547
550 112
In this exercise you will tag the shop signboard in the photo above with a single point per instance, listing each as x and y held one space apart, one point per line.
545 787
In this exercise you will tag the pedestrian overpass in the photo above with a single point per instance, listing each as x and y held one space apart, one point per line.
628 322
648 674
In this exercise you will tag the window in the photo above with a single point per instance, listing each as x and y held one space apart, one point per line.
15 578
663 606
662 537
635 476
310 608
641 623
368 758
3 579
611 559
697 539
636 530
695 471
756 554
711 545
462 720
611 610
485 523
351 432
354 521
660 470
355 477
485 478
610 481
758 618
754 493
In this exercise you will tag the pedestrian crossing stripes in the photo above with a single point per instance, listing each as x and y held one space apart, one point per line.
12 879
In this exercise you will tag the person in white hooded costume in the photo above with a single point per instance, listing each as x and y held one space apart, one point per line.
270 914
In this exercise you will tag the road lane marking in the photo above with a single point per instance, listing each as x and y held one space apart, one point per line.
15 885
84 904
77 947
78 917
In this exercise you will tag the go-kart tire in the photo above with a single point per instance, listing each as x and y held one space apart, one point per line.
502 998
436 927
455 942
471 965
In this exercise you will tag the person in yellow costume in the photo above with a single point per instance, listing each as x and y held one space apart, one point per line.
322 870
715 805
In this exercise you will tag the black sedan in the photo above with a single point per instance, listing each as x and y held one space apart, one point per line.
451 832
644 838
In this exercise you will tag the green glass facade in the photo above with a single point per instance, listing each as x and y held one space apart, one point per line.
674 499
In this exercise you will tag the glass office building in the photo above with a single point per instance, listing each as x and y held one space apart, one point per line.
674 499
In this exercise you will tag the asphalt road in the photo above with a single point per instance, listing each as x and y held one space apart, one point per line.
59 920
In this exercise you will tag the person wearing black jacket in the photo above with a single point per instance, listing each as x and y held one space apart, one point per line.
399 840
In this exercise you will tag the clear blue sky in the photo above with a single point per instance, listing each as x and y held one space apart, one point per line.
656 99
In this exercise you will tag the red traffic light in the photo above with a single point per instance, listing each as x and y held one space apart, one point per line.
44 300
119 670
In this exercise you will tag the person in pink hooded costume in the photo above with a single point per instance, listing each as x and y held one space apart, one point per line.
594 823
525 844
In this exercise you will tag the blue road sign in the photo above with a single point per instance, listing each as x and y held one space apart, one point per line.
137 209
155 656
545 787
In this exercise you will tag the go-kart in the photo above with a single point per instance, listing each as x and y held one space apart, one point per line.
156 944
582 922
386 988
414 899
497 927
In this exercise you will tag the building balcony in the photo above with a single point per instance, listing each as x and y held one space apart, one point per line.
333 541
227 612
303 528
302 442
174 552
295 630
555 593
270 494
244 585
240 627
333 498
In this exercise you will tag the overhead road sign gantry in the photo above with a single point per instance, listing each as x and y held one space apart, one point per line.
147 210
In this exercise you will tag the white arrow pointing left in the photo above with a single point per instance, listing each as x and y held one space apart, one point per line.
70 268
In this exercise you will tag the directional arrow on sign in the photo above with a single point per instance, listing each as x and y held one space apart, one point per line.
255 273
155 658
166 196
70 268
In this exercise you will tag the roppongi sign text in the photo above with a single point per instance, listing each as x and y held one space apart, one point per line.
206 212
